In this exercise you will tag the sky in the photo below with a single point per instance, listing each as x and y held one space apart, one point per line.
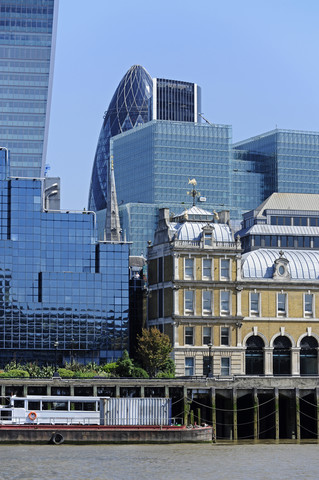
256 62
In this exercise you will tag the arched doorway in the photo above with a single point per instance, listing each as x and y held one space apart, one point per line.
282 356
308 356
254 355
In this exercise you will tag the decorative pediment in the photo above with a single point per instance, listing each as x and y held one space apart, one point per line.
281 268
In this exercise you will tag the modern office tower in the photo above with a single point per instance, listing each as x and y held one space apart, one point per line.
61 291
277 161
129 108
137 100
175 100
27 47
284 220
153 165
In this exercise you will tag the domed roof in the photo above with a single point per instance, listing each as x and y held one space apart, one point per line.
303 264
128 108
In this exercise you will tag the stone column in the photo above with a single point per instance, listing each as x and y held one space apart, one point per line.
117 391
276 413
166 391
94 390
295 361
142 391
268 360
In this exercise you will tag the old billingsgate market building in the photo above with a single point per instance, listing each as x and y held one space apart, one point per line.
233 313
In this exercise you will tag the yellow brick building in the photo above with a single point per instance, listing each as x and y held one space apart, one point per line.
227 313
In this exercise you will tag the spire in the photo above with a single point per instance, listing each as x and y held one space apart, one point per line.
112 222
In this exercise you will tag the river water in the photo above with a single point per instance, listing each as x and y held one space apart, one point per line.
160 462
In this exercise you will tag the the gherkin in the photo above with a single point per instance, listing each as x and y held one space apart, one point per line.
129 107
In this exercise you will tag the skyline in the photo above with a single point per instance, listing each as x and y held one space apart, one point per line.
231 51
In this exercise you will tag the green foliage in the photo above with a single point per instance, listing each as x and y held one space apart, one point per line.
124 366
139 372
65 373
153 350
110 369
168 370
17 373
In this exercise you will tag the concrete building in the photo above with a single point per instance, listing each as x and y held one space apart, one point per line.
27 47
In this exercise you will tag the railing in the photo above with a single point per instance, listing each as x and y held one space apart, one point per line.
216 245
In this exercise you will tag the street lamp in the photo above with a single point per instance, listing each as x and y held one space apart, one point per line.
56 345
210 346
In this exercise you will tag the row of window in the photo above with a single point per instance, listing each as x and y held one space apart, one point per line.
207 336
285 241
296 221
207 268
254 303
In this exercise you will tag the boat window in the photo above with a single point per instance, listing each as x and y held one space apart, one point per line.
54 405
83 406
5 415
19 403
33 405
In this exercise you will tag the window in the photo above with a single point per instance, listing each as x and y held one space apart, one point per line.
160 270
225 366
281 304
189 302
207 269
224 269
224 303
189 269
207 335
189 335
254 304
207 302
160 302
207 368
308 305
224 336
189 366
208 239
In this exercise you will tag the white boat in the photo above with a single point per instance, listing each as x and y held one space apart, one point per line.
75 410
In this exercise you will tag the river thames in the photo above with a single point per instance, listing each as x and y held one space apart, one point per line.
160 462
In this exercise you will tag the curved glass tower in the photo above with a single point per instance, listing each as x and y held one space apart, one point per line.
129 107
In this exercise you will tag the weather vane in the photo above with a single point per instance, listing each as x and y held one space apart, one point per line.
194 193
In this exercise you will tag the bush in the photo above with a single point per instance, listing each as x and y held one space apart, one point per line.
139 372
17 373
110 368
65 373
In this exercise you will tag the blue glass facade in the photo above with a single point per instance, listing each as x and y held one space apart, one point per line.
57 283
278 161
27 43
129 107
154 162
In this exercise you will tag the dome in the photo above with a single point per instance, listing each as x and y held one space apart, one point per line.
128 108
303 264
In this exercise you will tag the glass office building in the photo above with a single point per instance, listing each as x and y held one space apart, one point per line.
57 283
153 164
278 161
175 100
27 45
129 107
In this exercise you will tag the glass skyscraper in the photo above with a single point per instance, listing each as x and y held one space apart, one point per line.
27 45
284 161
153 164
57 282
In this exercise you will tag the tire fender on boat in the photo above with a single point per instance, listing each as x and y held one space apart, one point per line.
57 439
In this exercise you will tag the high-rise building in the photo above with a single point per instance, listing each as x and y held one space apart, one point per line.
175 100
61 291
277 161
153 165
138 99
27 46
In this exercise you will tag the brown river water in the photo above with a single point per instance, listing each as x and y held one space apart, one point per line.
160 462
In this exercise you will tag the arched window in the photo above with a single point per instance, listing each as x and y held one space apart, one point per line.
282 356
308 356
254 355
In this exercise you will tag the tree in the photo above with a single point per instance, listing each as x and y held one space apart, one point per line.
153 349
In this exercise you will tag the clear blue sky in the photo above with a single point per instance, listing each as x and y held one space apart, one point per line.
255 60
